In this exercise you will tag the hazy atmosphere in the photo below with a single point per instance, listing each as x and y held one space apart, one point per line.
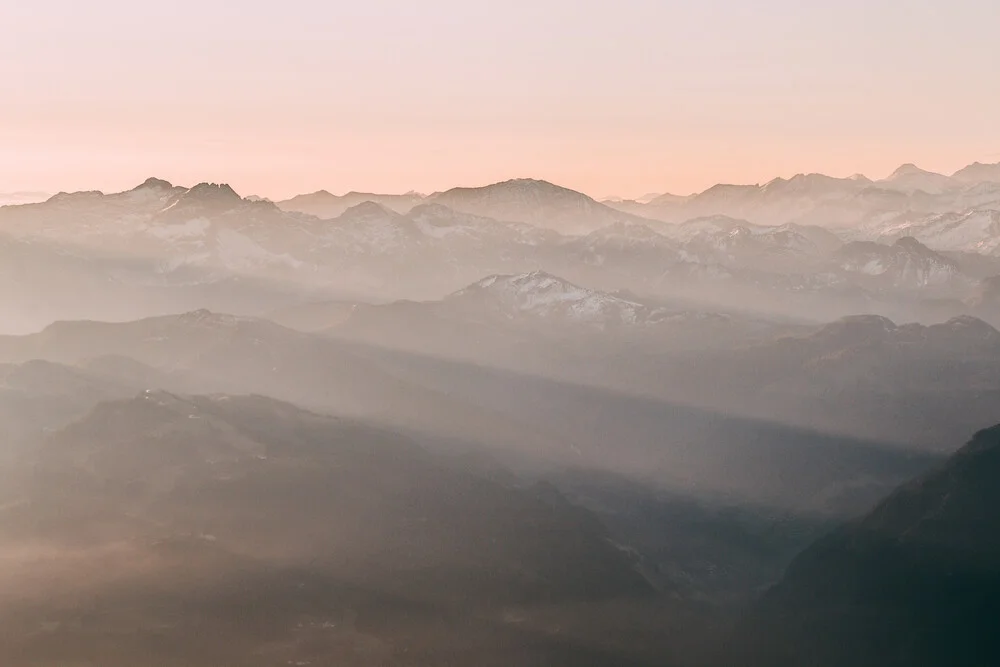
542 334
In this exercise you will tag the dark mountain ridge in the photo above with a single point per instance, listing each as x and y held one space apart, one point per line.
914 583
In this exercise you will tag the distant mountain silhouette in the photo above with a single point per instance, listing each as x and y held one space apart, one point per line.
978 172
535 202
323 204
911 178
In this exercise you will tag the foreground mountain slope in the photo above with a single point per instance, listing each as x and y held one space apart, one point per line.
915 583
197 531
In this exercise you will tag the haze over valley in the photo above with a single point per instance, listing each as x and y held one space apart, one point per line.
400 429
451 334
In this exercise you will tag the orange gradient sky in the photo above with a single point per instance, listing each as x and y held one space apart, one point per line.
612 98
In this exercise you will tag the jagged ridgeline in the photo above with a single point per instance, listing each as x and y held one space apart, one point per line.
916 245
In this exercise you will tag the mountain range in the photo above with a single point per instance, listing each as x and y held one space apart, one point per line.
833 202
160 247
502 425
540 202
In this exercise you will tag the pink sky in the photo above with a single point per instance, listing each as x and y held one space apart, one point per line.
612 98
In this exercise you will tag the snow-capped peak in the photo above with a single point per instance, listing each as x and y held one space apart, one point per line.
905 263
213 196
542 295
532 282
206 318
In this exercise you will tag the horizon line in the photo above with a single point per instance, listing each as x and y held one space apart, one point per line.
48 195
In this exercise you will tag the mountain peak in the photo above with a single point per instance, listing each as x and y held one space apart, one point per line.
728 191
971 328
531 187
153 183
530 281
212 192
855 330
530 182
534 202
318 197
978 172
515 187
666 199
908 169
434 209
810 184
984 440
206 318
911 243
540 275
911 178
366 210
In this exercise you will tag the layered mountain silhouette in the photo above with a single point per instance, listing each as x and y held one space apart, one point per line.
502 425
160 247
834 202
